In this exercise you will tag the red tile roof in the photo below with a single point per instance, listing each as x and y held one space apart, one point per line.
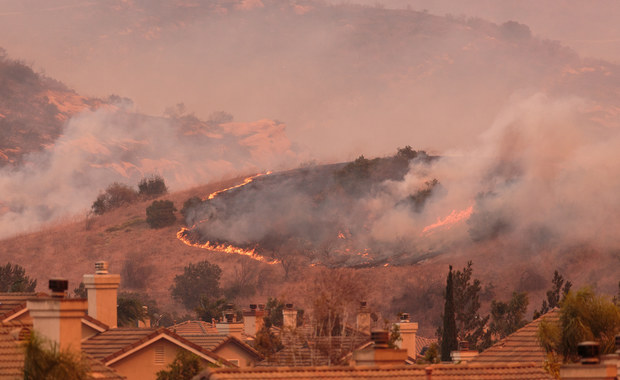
11 303
485 371
11 353
193 328
521 346
115 343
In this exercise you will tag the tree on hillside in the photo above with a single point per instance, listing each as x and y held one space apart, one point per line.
44 360
189 204
116 195
555 295
508 317
13 279
449 340
152 186
185 366
584 316
160 214
202 278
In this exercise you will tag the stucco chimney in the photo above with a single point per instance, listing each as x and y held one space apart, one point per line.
229 324
253 320
363 318
408 331
289 317
379 353
102 289
57 318
590 367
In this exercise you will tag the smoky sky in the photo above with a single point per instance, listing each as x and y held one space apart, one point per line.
526 125
344 79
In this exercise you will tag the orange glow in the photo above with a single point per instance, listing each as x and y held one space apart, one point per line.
227 248
245 182
341 235
449 221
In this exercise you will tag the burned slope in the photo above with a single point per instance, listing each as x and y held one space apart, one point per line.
320 214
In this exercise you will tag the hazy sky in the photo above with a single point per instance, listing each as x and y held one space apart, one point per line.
342 85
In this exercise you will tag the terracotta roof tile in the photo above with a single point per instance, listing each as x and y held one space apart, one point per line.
113 343
485 371
100 372
95 322
11 354
193 328
11 303
521 346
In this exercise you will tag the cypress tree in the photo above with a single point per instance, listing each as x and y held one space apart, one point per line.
449 340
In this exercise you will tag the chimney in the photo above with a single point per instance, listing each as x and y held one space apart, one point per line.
379 353
102 290
408 331
464 354
229 324
146 321
253 320
590 366
289 317
58 318
363 318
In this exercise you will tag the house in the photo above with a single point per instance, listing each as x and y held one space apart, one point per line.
232 346
89 325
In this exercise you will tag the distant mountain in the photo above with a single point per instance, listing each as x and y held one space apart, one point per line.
33 110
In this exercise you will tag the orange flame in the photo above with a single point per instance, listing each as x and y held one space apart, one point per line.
245 182
449 221
341 235
227 248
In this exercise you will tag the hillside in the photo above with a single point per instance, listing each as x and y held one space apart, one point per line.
33 109
148 259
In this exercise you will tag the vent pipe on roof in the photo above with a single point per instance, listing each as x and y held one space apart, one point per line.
59 287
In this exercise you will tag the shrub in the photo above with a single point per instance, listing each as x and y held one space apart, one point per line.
189 204
160 214
152 187
116 195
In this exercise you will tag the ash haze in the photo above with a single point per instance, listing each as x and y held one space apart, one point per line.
526 123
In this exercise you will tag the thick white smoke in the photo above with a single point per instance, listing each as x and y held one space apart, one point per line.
113 144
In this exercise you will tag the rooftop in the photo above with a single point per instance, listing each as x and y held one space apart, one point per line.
519 347
480 371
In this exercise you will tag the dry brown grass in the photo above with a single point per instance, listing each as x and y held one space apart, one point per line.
70 248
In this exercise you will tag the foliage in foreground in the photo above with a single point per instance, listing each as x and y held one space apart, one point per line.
44 360
184 367
584 316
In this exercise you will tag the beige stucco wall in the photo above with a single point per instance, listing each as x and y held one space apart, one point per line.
232 351
141 364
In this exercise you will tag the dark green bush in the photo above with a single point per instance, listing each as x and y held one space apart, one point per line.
152 187
160 214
